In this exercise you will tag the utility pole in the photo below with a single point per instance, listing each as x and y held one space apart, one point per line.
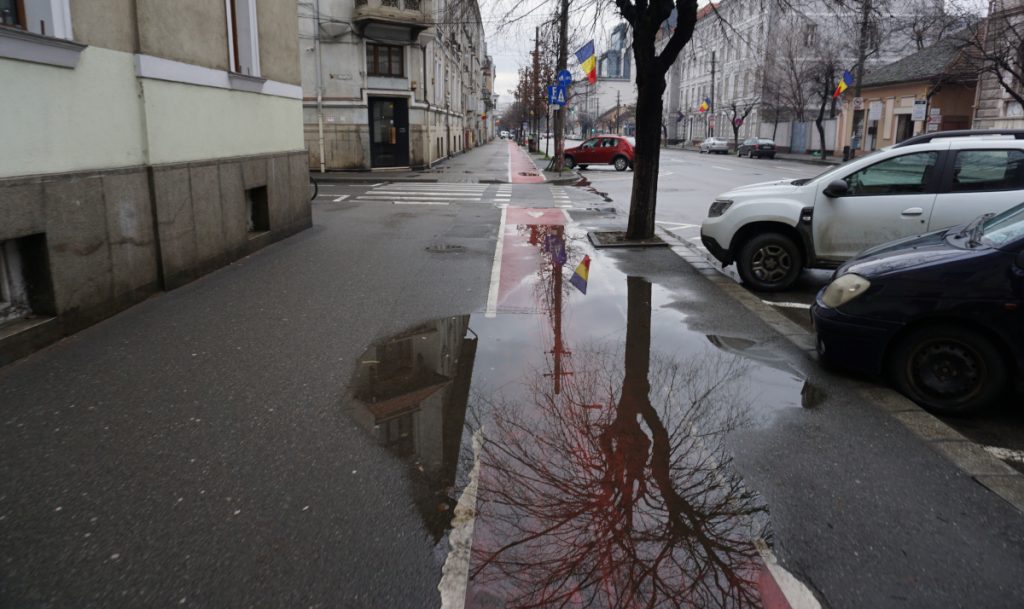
711 106
618 100
862 55
319 88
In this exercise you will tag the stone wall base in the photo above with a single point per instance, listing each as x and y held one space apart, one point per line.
95 243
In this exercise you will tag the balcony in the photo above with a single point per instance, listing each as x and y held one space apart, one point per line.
390 20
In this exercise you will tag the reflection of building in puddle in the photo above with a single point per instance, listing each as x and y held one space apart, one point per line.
410 392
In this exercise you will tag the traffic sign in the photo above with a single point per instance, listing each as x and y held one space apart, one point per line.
556 95
737 121
564 78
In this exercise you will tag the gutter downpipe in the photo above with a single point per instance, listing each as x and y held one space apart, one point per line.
319 91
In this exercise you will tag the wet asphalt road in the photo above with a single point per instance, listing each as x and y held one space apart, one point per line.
292 430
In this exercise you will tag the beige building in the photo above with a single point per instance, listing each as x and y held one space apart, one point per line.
145 143
994 107
393 83
931 90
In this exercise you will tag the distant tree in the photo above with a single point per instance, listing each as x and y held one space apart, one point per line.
738 112
998 46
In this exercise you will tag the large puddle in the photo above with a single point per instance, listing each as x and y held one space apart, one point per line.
571 449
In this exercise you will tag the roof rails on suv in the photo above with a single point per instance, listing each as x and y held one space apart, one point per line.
1017 134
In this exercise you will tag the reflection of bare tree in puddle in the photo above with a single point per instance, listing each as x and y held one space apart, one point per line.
617 493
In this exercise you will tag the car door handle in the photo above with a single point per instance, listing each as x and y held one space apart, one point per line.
912 211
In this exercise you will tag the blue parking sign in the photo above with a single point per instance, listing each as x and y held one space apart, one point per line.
556 95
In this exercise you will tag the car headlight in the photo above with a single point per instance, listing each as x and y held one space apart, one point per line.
844 289
719 207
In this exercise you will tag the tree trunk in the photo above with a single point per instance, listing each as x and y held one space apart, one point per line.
562 63
643 200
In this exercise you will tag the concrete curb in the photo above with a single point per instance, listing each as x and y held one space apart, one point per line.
970 458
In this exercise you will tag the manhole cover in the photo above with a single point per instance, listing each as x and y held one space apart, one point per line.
445 248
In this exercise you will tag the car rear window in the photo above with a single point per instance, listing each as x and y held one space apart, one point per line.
982 170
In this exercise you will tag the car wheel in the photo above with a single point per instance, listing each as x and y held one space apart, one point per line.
620 163
570 162
584 166
948 369
769 262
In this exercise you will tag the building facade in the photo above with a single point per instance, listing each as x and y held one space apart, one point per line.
759 60
145 143
393 83
931 90
605 106
994 107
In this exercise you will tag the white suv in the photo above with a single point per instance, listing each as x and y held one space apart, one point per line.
772 230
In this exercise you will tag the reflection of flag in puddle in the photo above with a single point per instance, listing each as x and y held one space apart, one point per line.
579 278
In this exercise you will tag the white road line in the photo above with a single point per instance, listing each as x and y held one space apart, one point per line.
340 199
376 185
676 224
564 206
786 305
455 571
492 292
1005 454
324 195
432 195
722 168
796 593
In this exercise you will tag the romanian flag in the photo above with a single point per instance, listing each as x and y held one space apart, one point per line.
588 61
579 278
705 105
844 83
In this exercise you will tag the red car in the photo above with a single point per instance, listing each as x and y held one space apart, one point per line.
602 150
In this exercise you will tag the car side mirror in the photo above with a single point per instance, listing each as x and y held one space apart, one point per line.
836 188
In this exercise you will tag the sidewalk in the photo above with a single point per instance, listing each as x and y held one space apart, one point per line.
782 156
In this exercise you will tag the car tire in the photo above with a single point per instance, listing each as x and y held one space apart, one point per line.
620 163
949 370
583 166
569 162
769 262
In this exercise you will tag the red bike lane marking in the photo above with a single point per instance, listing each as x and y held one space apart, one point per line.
522 170
521 254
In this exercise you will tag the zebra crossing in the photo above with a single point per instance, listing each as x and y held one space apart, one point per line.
560 197
433 193
444 194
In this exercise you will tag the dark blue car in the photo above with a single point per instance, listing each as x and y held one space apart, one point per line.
940 315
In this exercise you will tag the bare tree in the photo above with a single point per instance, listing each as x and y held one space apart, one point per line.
998 46
738 112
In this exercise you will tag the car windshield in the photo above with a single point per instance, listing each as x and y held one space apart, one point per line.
832 170
1005 227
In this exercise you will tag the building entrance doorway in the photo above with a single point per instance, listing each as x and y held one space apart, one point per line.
389 132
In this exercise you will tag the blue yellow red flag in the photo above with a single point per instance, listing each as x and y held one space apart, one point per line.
704 105
588 61
582 274
844 83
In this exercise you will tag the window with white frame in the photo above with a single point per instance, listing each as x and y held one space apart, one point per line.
243 37
44 17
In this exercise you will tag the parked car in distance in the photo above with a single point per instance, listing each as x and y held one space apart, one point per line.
941 315
615 150
714 144
773 230
757 147
504 134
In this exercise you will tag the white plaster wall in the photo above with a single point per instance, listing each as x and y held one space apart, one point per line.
188 122
59 119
